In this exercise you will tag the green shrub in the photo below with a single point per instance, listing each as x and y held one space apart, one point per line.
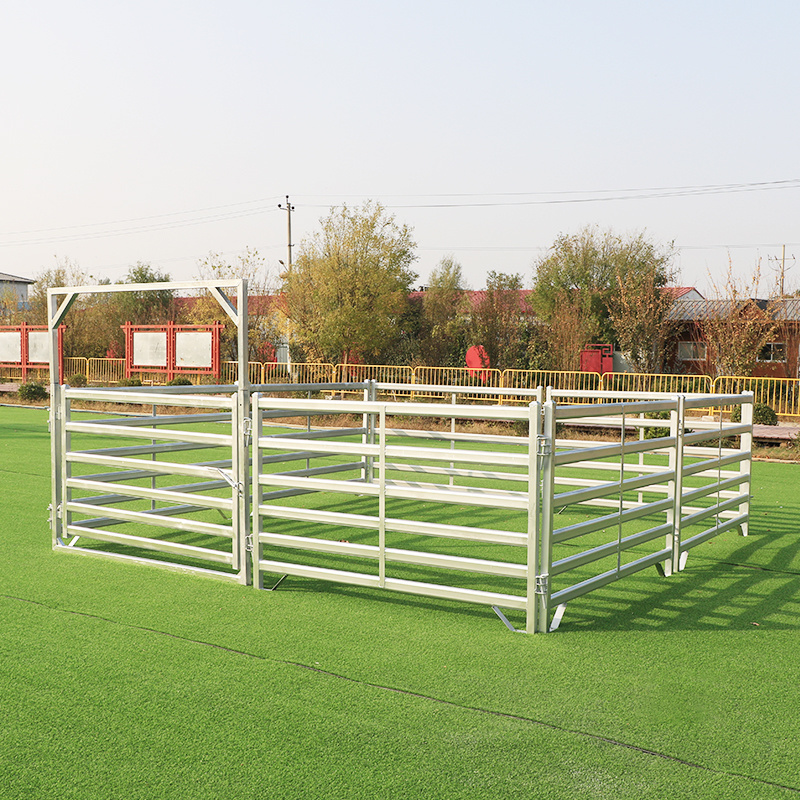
762 414
656 433
32 392
77 380
130 382
180 380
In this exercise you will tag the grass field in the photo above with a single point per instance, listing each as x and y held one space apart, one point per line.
120 681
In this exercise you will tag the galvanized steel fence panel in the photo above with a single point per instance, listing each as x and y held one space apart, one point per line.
576 514
153 487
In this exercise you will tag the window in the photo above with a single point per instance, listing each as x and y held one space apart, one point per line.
691 351
773 351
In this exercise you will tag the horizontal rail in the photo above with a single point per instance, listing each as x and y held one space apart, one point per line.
609 549
127 432
159 545
117 515
159 495
434 590
489 535
498 568
572 592
160 398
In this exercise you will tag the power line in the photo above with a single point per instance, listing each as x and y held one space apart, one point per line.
167 221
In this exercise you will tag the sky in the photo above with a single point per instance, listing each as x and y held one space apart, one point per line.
161 131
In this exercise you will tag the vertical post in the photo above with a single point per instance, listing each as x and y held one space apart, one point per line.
257 433
454 398
56 422
61 354
382 501
128 349
171 350
153 480
745 465
621 506
675 486
534 508
216 366
66 466
242 431
547 474
368 423
23 350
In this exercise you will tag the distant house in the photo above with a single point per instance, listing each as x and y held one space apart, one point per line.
16 286
777 359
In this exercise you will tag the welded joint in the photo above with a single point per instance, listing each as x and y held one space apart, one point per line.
231 481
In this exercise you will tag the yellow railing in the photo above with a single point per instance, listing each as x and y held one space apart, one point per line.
456 376
780 394
105 370
640 382
76 366
383 373
312 373
564 380
230 371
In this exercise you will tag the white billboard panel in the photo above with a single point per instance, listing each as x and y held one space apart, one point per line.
11 346
150 349
38 347
193 349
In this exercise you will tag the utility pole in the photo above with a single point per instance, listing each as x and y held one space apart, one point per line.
288 208
783 266
782 269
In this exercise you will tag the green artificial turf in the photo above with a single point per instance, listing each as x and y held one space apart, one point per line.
118 680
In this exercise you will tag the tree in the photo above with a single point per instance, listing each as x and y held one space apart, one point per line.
589 268
499 318
738 329
79 339
639 313
348 288
11 312
150 307
263 304
570 328
442 319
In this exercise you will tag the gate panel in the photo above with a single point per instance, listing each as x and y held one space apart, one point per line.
159 484
377 507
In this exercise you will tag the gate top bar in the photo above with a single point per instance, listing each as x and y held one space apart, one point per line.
143 287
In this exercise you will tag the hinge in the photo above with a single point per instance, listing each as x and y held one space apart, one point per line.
247 429
542 585
544 445
248 542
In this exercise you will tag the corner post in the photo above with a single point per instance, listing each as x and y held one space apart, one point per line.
534 510
543 589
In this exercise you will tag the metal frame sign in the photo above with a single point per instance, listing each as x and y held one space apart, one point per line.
28 348
173 349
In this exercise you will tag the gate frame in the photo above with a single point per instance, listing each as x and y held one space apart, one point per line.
57 309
